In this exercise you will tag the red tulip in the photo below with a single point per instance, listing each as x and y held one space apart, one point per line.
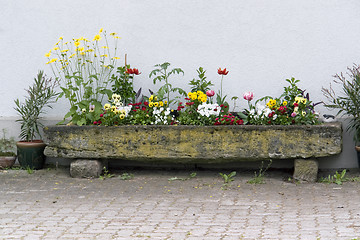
222 72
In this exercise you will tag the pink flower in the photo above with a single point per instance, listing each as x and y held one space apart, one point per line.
210 93
293 114
248 96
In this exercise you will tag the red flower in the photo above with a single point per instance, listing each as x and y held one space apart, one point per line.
222 72
95 122
143 108
146 103
101 115
296 104
133 71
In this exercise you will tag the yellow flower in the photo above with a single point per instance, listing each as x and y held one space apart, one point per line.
76 43
199 93
151 104
101 29
72 55
56 48
53 60
97 37
123 111
113 108
107 106
165 102
82 53
65 50
83 110
113 34
303 113
105 47
304 100
284 103
60 38
193 96
122 116
80 49
115 58
104 55
47 54
116 37
161 103
156 104
151 98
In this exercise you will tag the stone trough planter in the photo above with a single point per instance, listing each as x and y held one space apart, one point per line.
194 145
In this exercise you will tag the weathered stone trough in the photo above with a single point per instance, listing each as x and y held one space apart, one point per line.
194 144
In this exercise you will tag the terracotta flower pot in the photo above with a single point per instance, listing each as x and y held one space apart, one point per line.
7 161
31 154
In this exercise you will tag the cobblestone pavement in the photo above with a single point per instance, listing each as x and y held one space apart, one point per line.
49 204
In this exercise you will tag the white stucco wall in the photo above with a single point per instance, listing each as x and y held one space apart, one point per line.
260 42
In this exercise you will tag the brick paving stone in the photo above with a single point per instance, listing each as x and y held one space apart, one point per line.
51 205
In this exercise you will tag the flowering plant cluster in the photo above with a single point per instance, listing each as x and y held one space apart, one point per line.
101 94
292 107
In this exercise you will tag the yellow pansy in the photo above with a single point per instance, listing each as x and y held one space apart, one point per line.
161 103
165 102
122 116
284 103
156 104
113 108
151 104
151 98
107 106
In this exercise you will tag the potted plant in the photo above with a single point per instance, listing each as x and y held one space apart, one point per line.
7 151
347 102
41 94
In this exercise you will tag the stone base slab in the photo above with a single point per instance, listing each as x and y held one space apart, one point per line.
306 170
87 168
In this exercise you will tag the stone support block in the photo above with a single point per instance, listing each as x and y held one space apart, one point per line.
87 168
306 170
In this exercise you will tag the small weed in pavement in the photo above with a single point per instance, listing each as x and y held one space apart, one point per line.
126 176
337 178
192 175
29 170
106 174
228 178
259 177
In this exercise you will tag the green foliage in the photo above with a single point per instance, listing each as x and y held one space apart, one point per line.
228 177
347 102
259 177
200 84
162 74
337 178
40 95
124 86
7 145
